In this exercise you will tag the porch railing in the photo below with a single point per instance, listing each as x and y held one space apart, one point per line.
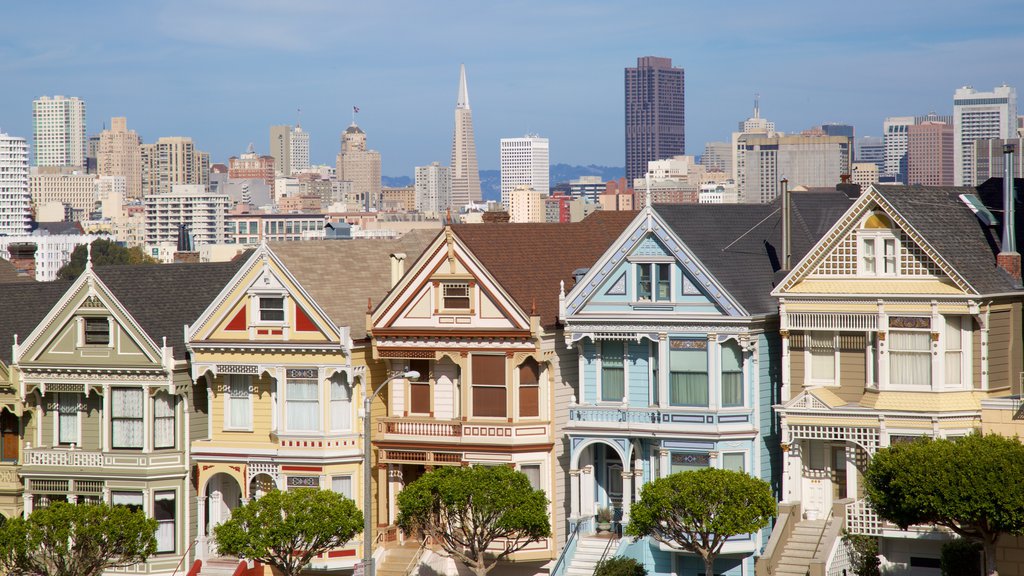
409 427
609 414
861 518
562 563
69 458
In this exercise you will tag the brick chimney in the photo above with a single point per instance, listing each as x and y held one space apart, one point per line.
1008 258
23 256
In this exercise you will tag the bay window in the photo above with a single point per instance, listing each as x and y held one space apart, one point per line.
529 389
910 358
342 485
823 350
954 356
163 420
341 404
490 395
67 418
164 513
732 374
688 373
239 402
613 384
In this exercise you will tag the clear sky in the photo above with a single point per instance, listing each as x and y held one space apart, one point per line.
223 71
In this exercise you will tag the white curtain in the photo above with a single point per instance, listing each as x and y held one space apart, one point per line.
127 421
823 356
342 485
163 421
954 351
532 472
910 361
341 404
302 405
67 424
240 407
163 512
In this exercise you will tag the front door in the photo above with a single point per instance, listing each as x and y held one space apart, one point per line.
9 439
817 479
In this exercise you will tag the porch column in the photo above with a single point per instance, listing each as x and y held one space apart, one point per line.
383 509
105 421
851 469
201 528
627 493
664 463
574 494
26 504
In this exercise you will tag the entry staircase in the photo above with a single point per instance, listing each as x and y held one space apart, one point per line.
589 551
800 547
399 560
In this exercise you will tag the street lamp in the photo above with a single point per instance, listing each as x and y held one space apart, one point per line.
368 568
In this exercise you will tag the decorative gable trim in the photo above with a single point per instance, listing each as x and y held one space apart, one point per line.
649 225
842 236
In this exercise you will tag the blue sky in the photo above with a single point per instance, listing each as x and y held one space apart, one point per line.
223 71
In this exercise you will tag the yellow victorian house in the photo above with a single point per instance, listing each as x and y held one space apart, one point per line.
283 358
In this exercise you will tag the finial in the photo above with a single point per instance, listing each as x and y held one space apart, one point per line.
369 305
533 307
88 256
449 217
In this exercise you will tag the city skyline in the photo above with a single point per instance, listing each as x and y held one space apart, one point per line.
174 71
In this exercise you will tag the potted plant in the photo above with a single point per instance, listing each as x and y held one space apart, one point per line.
604 519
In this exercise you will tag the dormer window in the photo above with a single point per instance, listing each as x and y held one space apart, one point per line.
271 309
455 296
97 332
654 282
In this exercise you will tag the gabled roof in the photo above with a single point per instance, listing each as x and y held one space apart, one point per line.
741 244
531 260
341 275
22 307
164 298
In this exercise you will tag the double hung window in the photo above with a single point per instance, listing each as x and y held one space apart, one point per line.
341 404
239 402
910 359
163 421
688 373
732 374
302 404
271 309
163 513
529 389
613 384
490 394
67 418
126 418
654 282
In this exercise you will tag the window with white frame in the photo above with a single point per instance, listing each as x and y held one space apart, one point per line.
302 400
532 471
735 461
954 343
96 331
455 296
130 500
341 403
688 372
732 374
163 420
878 253
271 309
654 282
67 418
823 362
342 485
238 402
613 386
910 358
164 514
126 417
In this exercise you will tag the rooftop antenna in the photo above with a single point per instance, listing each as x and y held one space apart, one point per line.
298 120
757 104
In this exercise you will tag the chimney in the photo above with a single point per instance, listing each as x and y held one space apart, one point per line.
397 267
1008 258
787 228
23 257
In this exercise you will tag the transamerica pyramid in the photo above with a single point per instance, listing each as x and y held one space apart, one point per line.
465 175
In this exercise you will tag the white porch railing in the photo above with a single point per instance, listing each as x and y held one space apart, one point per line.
832 321
70 458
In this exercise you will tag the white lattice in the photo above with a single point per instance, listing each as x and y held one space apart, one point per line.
914 261
842 261
256 468
840 563
861 518
867 438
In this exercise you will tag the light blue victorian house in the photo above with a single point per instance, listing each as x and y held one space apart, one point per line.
679 363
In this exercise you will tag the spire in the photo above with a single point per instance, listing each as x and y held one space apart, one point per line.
463 90
757 105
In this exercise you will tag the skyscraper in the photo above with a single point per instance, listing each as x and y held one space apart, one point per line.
433 188
58 131
300 150
465 174
290 149
359 166
524 162
655 113
930 154
15 201
980 116
120 154
173 160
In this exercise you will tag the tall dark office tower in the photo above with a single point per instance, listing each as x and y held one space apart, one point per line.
655 114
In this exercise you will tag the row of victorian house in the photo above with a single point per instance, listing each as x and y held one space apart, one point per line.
790 341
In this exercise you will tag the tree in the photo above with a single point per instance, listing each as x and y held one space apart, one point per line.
104 252
864 554
75 540
620 566
465 510
287 530
698 510
967 485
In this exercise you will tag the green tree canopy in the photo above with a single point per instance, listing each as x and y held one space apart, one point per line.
969 485
287 530
464 510
104 252
75 540
698 510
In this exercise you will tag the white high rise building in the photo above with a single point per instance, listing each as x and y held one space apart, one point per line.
524 163
980 116
290 149
894 133
204 213
58 131
433 188
300 150
465 173
15 200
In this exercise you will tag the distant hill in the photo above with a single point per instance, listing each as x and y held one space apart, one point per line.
490 180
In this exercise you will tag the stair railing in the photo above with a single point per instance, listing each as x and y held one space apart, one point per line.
616 531
574 530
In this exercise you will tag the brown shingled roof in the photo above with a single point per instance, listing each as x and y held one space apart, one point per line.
530 260
9 273
340 275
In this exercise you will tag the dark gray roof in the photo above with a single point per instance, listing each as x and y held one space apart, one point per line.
952 229
22 306
163 298
741 244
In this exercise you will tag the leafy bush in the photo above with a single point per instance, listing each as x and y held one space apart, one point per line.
620 566
961 557
865 554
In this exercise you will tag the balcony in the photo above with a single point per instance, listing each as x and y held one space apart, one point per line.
648 420
457 432
67 458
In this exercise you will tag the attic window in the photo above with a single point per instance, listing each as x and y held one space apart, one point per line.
97 332
271 309
456 296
